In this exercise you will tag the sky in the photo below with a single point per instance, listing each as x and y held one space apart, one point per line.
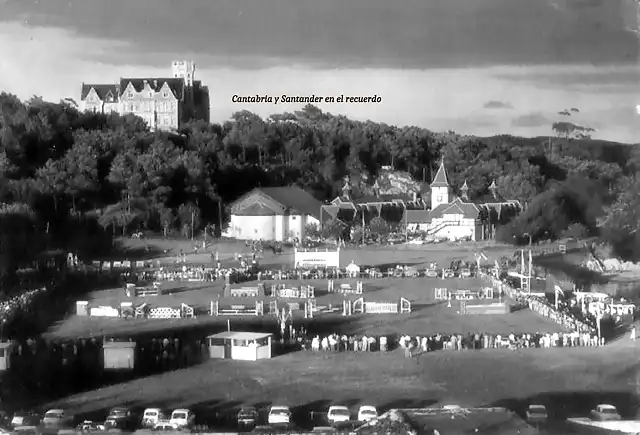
480 67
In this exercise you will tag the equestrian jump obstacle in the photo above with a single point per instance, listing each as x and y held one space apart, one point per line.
359 306
344 288
244 292
216 309
495 308
305 259
443 294
275 308
281 291
143 311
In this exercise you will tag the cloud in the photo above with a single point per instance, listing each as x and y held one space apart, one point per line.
53 62
536 119
493 104
374 33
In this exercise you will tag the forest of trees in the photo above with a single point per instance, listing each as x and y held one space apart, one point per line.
73 181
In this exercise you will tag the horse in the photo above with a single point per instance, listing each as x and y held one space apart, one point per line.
276 249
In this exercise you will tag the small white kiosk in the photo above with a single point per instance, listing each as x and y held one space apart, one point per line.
243 346
6 349
119 355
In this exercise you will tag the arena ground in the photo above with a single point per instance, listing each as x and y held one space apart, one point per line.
428 314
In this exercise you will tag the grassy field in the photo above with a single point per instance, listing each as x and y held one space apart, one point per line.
570 381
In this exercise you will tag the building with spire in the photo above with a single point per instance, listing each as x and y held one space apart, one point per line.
454 217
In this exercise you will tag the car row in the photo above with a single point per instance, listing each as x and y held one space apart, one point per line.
248 417
602 412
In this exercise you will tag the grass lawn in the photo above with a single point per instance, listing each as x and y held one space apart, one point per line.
568 380
428 315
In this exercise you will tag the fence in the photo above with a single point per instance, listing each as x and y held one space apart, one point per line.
361 307
304 292
443 294
314 259
216 309
344 288
244 292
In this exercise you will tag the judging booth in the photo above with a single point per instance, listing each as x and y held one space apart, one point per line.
119 355
312 259
242 346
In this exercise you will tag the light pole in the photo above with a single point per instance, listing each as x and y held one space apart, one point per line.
193 217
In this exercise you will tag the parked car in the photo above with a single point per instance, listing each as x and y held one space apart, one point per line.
152 416
119 418
465 273
324 429
90 426
27 430
247 417
367 413
536 413
57 418
432 273
24 419
605 412
338 414
182 418
279 415
165 426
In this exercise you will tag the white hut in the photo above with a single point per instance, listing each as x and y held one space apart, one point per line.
244 346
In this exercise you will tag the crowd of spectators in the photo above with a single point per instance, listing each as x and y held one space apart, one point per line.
13 307
439 342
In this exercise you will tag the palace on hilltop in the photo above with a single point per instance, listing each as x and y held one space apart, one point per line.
444 216
164 103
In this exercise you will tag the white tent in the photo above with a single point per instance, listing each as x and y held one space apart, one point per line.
353 270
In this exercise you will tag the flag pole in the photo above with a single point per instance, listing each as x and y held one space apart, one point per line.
228 325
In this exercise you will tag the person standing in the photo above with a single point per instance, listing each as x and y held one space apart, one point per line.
633 333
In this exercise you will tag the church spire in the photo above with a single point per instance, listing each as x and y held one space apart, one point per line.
440 180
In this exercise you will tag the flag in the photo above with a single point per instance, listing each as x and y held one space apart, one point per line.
558 290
